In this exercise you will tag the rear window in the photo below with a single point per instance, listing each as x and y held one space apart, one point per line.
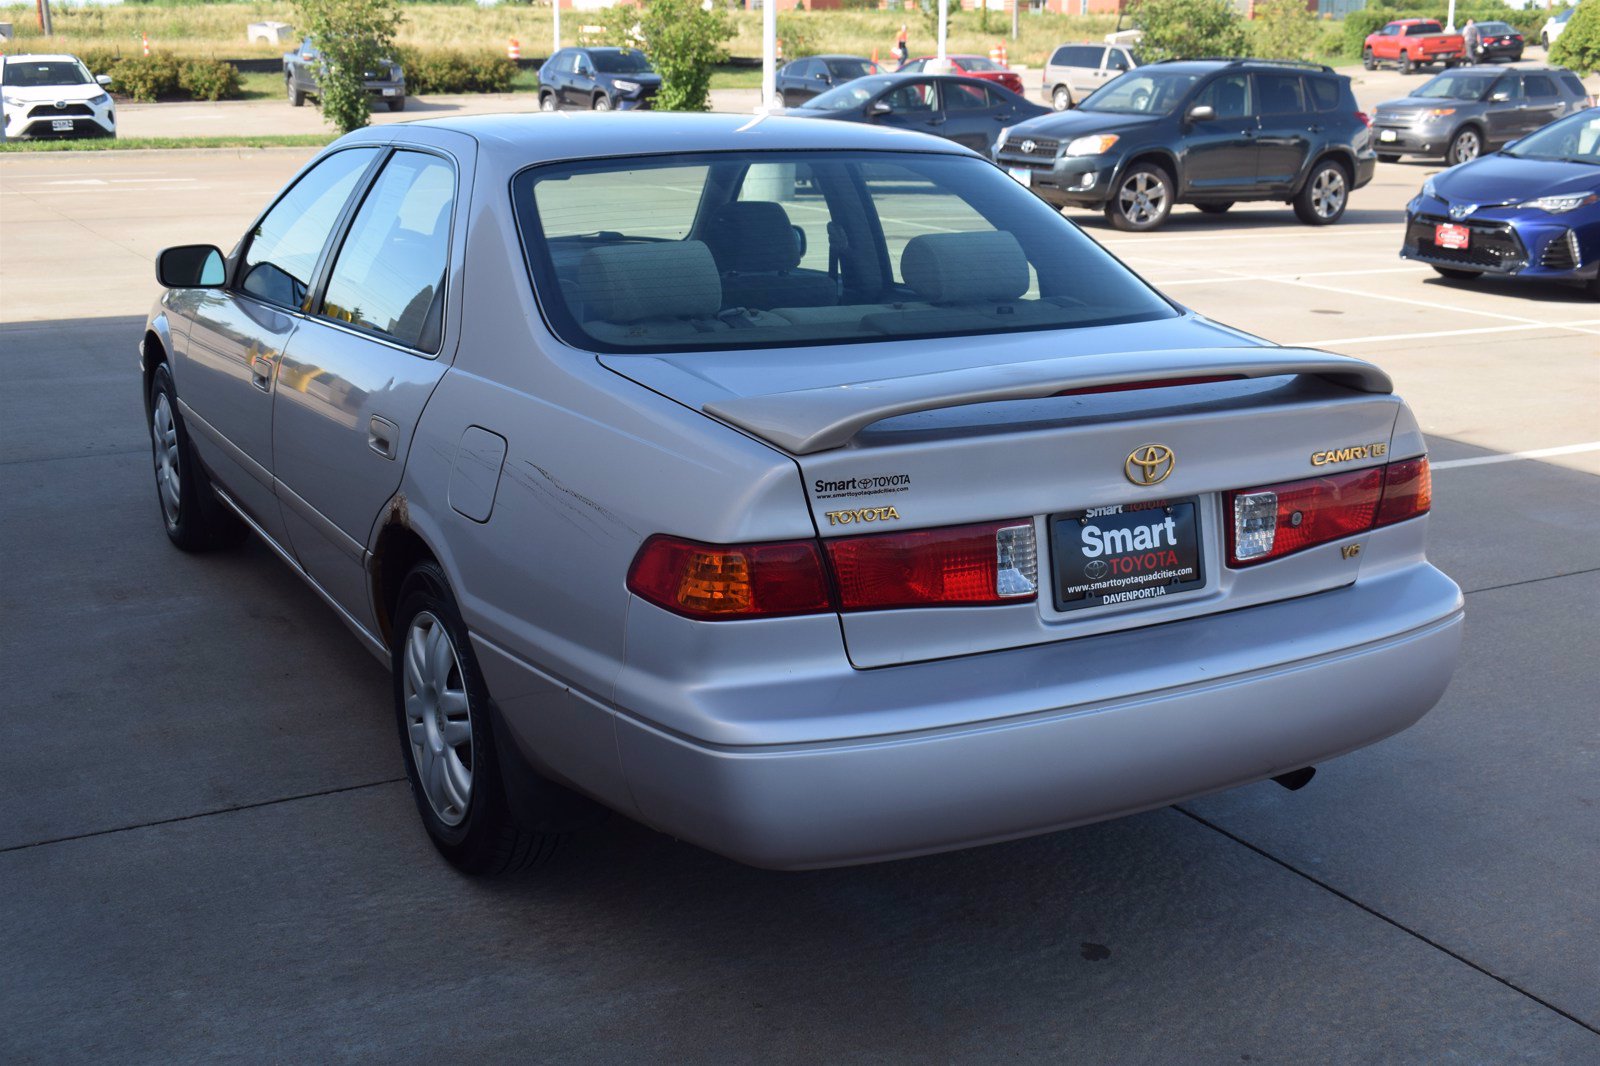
1538 85
1573 85
1324 93
1422 28
749 250
978 63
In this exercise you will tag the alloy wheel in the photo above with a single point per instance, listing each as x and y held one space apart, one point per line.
1142 198
164 440
1328 192
438 718
1466 147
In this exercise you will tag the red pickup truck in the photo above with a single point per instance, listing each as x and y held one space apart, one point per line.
1409 43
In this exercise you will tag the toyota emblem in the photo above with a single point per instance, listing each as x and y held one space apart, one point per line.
1461 211
1029 146
1149 464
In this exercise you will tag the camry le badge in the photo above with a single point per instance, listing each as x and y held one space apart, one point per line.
1149 464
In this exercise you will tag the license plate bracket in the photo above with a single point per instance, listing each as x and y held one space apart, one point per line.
1023 176
61 125
1449 235
1126 554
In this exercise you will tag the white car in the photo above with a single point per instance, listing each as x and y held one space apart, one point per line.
1554 25
55 96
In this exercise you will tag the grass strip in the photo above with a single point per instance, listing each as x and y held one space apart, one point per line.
108 144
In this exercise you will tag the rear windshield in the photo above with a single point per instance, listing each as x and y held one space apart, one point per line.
1494 29
1421 28
629 62
978 63
25 74
759 249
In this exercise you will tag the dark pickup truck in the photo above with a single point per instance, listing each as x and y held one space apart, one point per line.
387 83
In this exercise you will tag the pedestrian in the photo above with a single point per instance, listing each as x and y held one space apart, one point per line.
1473 40
901 50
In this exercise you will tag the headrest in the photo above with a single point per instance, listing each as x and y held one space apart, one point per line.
633 282
965 268
751 237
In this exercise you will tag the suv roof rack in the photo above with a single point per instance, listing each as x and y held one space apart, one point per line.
1299 64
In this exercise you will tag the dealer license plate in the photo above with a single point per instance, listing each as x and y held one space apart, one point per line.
1023 175
1388 135
61 125
1126 554
1449 235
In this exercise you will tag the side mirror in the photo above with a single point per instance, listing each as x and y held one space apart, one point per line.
191 266
823 76
1202 113
879 107
102 79
1510 144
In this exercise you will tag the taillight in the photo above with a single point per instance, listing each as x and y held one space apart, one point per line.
996 562
710 582
1277 520
1366 120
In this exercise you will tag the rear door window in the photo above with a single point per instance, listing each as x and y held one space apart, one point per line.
287 242
1279 94
959 97
389 276
1538 85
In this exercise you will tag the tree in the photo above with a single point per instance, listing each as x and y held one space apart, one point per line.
1184 29
684 41
1578 47
1284 29
352 37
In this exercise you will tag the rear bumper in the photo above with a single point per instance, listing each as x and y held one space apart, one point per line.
1269 689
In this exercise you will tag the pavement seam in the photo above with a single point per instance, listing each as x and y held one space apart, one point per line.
64 458
1325 886
201 814
1531 581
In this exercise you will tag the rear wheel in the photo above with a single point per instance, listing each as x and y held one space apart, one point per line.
1216 209
1322 199
547 101
602 102
1465 146
1061 99
195 519
296 97
1142 199
1457 275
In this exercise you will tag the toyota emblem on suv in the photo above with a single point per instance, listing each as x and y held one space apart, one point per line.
1029 146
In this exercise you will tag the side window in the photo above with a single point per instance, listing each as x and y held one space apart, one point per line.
1059 57
958 97
1573 85
1538 85
1279 94
800 68
1229 96
916 66
912 98
1117 59
1324 93
285 244
390 273
1509 86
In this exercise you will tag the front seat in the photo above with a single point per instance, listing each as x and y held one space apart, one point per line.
757 250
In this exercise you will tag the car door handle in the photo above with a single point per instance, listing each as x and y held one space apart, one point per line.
261 372
381 436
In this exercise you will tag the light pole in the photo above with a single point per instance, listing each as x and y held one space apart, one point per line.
769 54
944 26
555 6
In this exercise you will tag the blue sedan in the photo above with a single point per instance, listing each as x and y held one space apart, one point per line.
1531 209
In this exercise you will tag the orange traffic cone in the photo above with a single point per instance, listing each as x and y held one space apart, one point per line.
874 58
146 41
513 50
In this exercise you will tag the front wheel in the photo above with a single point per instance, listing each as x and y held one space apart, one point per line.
1408 67
1142 199
1457 275
1322 199
296 97
1367 60
1061 99
602 102
195 519
448 743
547 101
1465 146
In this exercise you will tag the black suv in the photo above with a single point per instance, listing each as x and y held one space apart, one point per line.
1208 132
597 79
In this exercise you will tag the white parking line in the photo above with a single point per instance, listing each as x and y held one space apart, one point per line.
1508 457
1383 338
1295 277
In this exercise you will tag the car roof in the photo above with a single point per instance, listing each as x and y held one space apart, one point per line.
838 55
606 48
536 137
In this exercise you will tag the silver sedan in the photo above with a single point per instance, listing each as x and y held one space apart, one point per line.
809 491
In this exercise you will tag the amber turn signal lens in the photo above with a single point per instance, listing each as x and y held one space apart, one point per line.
713 582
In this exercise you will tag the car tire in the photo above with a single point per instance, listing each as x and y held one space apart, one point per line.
1544 42
1216 209
1142 198
1457 275
296 97
1465 146
396 105
1323 198
1061 98
547 101
1367 60
1388 158
601 102
1407 66
447 738
195 519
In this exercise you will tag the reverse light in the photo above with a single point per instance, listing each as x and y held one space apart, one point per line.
714 582
1277 520
1560 205
990 563
1093 144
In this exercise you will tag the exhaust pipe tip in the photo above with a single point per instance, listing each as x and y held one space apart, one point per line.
1295 780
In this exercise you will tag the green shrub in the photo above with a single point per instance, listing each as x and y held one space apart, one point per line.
209 79
451 71
1284 29
146 78
798 37
100 60
1177 29
1578 47
684 42
352 36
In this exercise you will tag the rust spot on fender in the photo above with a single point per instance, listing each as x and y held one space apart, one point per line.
398 511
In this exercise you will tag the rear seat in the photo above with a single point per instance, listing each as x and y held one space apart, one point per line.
757 250
973 281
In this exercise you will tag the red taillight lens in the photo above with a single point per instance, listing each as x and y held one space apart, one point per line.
1407 491
1366 119
709 582
996 562
1277 520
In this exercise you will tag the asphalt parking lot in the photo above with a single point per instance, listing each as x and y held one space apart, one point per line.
209 854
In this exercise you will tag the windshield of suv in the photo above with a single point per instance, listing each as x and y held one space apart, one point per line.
628 62
1574 139
846 97
1456 87
760 249
32 75
1141 92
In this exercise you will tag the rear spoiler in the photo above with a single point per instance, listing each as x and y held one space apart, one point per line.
818 420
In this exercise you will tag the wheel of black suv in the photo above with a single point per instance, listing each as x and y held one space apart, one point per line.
1322 199
296 97
1367 61
195 519
1388 158
602 102
397 105
1465 146
1061 99
1457 275
1216 209
547 101
443 713
1142 199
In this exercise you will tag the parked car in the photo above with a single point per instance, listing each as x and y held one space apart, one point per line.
1076 70
1531 210
802 79
1460 114
55 96
1496 41
300 67
972 66
1061 550
1203 132
1412 43
965 110
1554 25
597 79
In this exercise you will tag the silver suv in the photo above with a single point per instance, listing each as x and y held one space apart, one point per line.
1461 114
1076 70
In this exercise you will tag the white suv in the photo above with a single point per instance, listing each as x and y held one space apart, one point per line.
1554 25
55 96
